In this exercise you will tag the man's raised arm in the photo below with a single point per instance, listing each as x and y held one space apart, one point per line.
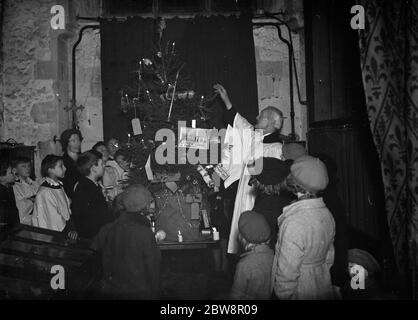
230 112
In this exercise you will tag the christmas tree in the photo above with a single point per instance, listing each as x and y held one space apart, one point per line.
161 96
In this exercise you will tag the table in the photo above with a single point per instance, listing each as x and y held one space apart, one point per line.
187 244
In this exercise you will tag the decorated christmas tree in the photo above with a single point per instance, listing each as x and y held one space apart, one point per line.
161 96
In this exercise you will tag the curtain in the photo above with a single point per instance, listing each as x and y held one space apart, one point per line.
219 49
215 49
389 62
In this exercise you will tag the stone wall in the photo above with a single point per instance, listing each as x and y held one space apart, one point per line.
35 74
88 72
89 88
30 92
36 70
272 61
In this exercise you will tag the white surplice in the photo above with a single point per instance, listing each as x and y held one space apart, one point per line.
245 146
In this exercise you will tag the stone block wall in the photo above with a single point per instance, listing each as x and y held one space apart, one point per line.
36 68
35 86
29 94
89 88
272 62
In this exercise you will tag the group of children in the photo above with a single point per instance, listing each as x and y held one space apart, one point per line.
50 203
288 237
120 230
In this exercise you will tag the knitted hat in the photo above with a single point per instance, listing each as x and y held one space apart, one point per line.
135 198
310 173
292 151
274 171
364 259
253 227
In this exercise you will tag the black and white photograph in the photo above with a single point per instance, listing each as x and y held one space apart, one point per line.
208 155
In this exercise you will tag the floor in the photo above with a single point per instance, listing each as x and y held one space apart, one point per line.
191 275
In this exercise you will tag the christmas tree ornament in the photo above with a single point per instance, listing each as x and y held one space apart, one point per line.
208 180
205 219
160 235
221 172
136 126
189 198
197 197
195 209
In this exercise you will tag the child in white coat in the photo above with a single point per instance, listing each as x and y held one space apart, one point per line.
52 206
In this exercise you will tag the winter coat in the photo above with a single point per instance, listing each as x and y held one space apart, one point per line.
89 207
131 258
253 275
304 252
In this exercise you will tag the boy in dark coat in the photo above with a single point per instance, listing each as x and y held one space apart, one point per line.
131 257
253 273
89 207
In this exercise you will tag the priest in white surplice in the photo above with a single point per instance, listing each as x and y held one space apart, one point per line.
247 143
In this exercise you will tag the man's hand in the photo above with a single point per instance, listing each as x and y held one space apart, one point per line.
224 95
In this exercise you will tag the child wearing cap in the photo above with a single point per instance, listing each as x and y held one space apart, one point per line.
130 255
293 151
304 249
253 272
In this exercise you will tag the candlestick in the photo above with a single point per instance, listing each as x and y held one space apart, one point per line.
172 98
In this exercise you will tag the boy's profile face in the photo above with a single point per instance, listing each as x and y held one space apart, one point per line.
22 170
99 169
58 171
242 240
9 177
123 163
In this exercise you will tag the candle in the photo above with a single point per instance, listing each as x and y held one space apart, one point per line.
149 97
180 236
215 234
193 124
